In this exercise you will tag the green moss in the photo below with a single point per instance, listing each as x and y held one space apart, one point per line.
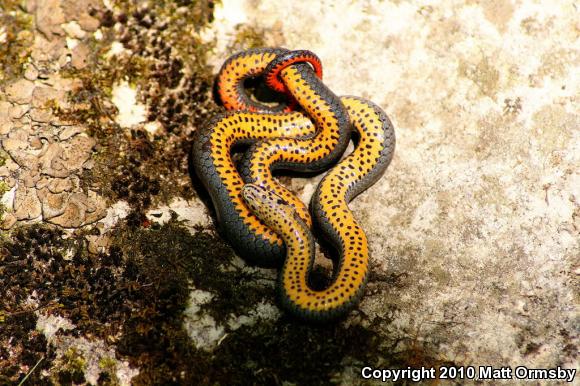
167 65
107 376
138 292
3 189
16 27
248 36
70 369
107 363
3 157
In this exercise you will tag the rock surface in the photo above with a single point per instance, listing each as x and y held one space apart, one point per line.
45 154
473 230
478 212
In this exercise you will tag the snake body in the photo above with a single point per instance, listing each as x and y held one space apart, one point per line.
329 207
288 141
308 154
321 146
253 63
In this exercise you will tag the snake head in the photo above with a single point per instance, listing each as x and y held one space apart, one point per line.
272 209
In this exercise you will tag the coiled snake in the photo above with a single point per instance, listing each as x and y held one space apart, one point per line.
265 222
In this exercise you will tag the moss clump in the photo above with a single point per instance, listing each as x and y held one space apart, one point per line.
137 293
16 40
165 61
21 347
3 189
248 36
70 368
31 261
3 157
107 376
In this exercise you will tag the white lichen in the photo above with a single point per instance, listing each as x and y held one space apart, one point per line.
92 353
130 112
192 212
204 331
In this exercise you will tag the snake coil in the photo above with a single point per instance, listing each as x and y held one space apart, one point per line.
266 223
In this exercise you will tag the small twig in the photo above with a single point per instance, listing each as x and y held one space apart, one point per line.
31 371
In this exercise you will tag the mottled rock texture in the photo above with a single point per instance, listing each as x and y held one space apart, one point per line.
111 269
478 215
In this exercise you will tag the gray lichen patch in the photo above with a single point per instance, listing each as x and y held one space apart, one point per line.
64 160
41 158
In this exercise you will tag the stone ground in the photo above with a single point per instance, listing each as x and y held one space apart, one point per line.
111 268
